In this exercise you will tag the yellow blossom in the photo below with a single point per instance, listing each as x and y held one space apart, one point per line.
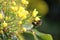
7 18
34 14
21 9
26 12
24 1
22 13
37 18
24 17
4 24
14 8
20 22
24 29
1 16
13 3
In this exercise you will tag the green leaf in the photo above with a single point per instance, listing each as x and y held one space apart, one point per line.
28 36
42 35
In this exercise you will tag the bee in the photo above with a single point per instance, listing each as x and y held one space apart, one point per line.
37 23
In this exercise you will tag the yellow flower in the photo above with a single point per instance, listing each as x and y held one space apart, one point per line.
24 29
20 22
1 16
34 14
7 18
13 3
26 12
4 24
37 18
14 8
24 2
21 9
24 17
22 13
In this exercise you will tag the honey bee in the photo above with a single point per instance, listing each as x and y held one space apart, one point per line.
37 23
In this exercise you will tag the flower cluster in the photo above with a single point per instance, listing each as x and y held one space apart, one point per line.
15 19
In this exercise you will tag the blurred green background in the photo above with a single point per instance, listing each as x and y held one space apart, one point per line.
50 12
